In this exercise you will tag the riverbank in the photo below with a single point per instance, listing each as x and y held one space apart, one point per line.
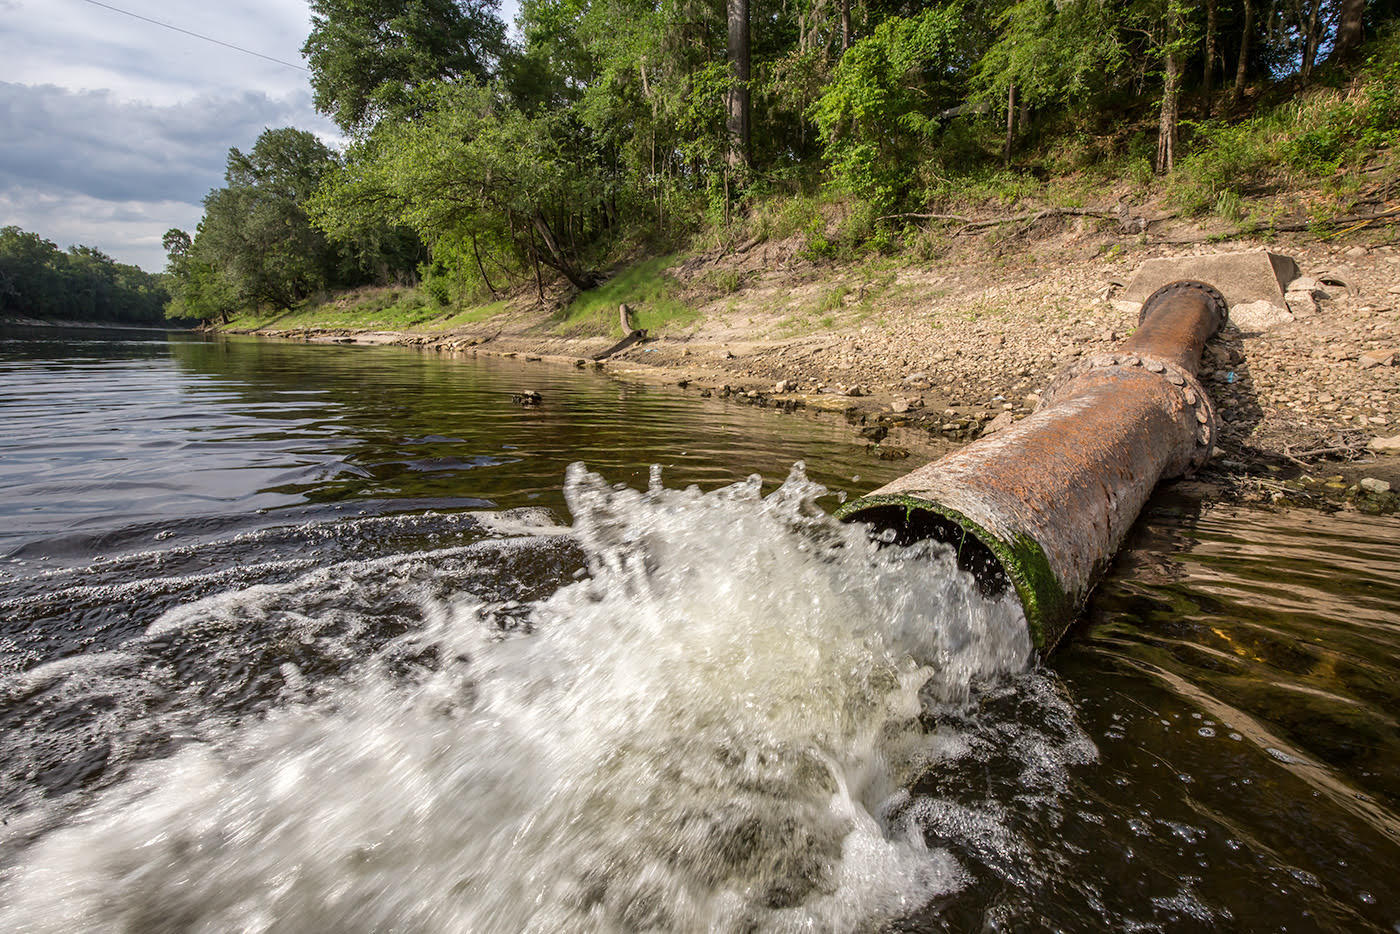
922 355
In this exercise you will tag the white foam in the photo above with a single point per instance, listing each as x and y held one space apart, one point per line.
716 729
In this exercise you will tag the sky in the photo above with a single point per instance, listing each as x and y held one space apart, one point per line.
112 130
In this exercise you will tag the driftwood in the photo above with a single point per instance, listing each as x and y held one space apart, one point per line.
631 335
1133 223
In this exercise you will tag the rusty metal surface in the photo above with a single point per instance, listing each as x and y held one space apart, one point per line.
1072 477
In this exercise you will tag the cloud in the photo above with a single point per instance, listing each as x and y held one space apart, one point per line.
69 150
113 129
92 143
130 231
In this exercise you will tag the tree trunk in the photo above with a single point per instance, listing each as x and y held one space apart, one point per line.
1349 30
1208 79
1310 38
1171 91
557 258
737 105
1010 122
482 269
535 260
1242 65
845 25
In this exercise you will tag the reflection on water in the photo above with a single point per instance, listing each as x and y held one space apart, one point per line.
296 638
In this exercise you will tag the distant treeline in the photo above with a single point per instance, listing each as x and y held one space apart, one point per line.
38 280
482 163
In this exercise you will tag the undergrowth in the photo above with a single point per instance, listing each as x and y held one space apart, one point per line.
652 294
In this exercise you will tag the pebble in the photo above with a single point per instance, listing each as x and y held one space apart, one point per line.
1378 358
1372 485
1356 252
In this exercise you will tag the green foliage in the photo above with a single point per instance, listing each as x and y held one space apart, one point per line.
1053 52
368 57
39 280
879 111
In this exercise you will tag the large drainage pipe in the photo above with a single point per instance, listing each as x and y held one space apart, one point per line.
1043 505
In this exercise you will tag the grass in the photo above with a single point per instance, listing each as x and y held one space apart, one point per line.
387 308
653 296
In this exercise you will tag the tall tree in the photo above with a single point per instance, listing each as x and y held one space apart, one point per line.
740 72
367 57
255 230
1171 87
1350 27
1242 62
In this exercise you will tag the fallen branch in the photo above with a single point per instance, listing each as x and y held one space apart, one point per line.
973 223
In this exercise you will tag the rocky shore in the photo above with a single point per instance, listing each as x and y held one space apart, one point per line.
919 358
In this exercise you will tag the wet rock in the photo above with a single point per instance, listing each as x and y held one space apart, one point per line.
875 433
1372 485
527 398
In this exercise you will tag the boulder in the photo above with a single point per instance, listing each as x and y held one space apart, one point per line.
1250 276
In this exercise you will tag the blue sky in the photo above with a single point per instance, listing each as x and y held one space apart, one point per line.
112 130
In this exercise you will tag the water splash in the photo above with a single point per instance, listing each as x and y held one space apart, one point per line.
717 726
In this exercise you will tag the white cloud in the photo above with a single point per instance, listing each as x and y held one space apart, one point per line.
112 129
130 231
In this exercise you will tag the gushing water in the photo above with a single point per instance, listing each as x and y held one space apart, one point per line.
714 727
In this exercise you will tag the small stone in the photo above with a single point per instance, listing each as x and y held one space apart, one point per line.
1356 252
855 392
1378 358
1305 284
782 386
1002 421
899 406
1301 304
1258 316
1372 485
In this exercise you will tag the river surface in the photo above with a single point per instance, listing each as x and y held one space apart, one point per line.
320 638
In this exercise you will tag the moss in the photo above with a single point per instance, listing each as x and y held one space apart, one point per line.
1049 609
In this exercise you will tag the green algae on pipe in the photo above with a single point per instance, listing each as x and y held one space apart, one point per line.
1043 506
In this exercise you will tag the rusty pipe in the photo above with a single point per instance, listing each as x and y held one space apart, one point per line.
1043 506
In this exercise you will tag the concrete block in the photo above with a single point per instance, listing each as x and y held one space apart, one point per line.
1250 276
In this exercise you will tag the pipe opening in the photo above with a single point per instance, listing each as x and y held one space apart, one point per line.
916 525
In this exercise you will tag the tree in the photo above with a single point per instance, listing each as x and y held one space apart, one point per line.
1350 29
368 57
1173 48
37 279
740 72
256 234
471 165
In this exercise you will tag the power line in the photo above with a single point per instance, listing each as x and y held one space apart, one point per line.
227 45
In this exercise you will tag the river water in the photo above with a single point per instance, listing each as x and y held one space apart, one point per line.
309 638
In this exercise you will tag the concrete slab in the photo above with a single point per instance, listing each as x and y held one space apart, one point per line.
1250 276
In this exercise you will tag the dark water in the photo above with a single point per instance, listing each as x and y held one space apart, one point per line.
291 639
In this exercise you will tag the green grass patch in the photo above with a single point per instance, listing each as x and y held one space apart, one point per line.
390 309
645 287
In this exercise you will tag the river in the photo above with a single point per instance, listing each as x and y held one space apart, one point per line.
314 638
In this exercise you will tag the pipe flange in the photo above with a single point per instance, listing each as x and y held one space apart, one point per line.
1199 410
1211 293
